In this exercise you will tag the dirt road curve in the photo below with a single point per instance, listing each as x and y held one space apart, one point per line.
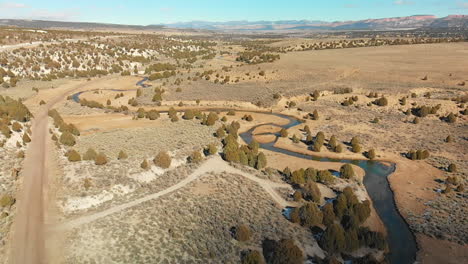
214 164
27 245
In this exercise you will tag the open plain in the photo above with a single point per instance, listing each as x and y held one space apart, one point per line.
220 149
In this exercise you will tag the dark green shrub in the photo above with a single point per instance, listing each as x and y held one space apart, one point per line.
371 154
325 176
17 127
252 257
7 200
152 114
211 149
340 205
195 157
346 171
73 155
310 215
26 138
283 132
122 155
188 115
90 154
333 240
452 168
315 115
328 214
101 159
310 174
67 139
243 233
339 148
261 161
311 192
211 119
451 118
163 160
144 165
282 252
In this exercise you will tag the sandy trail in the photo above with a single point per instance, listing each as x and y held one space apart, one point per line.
212 165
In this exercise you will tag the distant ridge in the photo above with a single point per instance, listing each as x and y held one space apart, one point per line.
71 25
416 21
408 22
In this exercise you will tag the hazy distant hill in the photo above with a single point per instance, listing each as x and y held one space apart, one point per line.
71 25
416 21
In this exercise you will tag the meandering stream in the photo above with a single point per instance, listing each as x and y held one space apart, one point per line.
401 241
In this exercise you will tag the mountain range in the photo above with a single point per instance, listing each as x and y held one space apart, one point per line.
417 21
409 22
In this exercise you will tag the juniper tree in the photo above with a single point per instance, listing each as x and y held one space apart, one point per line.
73 156
211 149
122 155
295 139
371 154
67 139
163 160
188 115
243 233
101 159
90 154
243 158
144 165
312 192
211 119
332 142
339 148
340 205
328 214
333 240
283 132
324 176
452 167
451 118
26 138
261 161
356 148
315 115
252 257
310 215
310 174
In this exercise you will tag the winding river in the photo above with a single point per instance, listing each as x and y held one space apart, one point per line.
401 241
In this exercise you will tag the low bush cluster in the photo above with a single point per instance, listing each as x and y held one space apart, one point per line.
417 154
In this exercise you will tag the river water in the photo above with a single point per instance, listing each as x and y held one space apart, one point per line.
401 241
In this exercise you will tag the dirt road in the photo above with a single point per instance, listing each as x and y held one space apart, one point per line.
214 164
27 245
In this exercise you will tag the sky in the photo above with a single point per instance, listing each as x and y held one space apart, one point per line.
145 12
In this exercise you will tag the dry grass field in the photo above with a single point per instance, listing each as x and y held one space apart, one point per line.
191 210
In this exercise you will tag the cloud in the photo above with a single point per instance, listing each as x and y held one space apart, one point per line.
12 5
166 9
463 5
61 15
350 6
403 2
